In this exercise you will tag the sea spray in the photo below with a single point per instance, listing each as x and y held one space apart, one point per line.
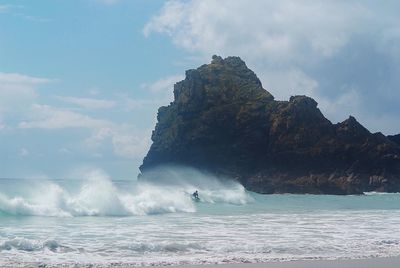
211 189
98 195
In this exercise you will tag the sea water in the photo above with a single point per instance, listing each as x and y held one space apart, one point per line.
96 221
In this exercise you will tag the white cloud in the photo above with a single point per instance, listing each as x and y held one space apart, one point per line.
17 91
89 103
19 94
277 30
168 20
98 137
48 117
286 83
14 85
131 143
21 79
126 140
163 84
161 94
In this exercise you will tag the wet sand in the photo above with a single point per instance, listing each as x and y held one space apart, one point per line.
362 263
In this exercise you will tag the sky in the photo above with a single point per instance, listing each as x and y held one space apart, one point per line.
81 81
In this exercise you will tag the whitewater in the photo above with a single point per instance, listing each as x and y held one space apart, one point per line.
96 221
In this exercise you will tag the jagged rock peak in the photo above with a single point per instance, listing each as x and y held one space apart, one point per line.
232 61
351 125
228 79
301 100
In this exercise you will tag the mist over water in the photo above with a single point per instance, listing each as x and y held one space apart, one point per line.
97 221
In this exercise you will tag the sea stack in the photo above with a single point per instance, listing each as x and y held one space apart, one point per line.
224 122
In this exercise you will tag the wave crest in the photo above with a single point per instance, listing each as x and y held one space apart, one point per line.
100 196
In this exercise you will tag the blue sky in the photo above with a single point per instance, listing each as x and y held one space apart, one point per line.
81 81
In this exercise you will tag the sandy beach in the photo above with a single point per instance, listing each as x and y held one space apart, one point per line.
393 262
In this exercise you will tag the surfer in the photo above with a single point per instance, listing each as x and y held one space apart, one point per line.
196 195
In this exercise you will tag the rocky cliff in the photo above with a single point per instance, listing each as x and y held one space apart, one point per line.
223 121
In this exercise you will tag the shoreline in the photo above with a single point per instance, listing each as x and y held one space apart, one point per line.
374 262
381 262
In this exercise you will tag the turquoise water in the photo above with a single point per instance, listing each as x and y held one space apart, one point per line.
98 222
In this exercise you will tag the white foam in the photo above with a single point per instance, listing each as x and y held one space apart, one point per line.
27 245
99 196
381 193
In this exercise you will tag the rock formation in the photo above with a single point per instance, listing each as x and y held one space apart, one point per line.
223 121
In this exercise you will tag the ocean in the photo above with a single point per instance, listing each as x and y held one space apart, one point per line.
96 221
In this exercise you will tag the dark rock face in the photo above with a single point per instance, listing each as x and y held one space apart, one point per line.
395 138
223 121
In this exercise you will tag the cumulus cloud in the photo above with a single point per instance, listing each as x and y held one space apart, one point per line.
280 31
331 50
89 103
126 140
19 97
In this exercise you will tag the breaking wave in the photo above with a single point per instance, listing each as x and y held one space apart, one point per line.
98 195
